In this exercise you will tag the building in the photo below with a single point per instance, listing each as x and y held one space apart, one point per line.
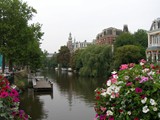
75 45
107 36
153 50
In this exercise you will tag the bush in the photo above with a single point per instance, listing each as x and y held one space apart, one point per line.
131 94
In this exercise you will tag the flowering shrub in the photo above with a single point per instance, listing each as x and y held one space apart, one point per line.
132 93
9 102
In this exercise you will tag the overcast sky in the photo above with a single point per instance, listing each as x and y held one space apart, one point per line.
86 18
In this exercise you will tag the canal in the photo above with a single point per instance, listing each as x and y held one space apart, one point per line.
72 98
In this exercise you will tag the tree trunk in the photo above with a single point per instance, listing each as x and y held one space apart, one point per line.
10 65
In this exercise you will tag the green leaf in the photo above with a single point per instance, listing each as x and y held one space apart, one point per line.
1 105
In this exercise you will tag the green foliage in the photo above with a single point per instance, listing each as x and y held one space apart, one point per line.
128 54
93 61
53 61
63 57
124 39
141 38
49 63
19 40
76 62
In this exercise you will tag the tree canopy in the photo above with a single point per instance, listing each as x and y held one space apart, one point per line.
128 54
19 40
124 39
63 57
93 61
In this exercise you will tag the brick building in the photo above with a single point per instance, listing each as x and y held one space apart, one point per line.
107 36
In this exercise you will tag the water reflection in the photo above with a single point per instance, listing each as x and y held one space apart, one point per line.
31 103
72 98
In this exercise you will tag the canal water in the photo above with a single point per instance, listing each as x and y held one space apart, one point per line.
72 98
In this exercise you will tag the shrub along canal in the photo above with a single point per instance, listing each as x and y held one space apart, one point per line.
72 98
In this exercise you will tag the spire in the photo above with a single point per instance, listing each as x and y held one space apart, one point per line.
70 37
125 28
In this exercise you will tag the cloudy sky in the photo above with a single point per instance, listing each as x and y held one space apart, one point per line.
86 18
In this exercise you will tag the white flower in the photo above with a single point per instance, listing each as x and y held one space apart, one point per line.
113 87
104 94
141 63
117 89
155 109
109 112
129 112
126 77
127 92
144 100
109 91
145 70
152 101
109 83
145 109
113 95
114 72
112 108
115 76
132 89
151 73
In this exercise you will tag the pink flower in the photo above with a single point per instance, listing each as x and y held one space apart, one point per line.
138 90
102 117
143 79
129 84
14 93
4 94
117 95
103 108
16 99
123 67
131 65
113 80
142 62
96 116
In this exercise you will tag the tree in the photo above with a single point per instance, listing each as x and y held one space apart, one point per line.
76 62
141 38
94 61
63 57
127 54
16 35
124 39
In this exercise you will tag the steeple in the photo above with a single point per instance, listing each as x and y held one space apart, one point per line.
70 37
125 28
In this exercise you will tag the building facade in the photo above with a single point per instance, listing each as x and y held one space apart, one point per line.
75 45
107 36
153 50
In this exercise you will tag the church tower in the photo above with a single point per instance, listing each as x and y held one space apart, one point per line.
125 28
69 43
